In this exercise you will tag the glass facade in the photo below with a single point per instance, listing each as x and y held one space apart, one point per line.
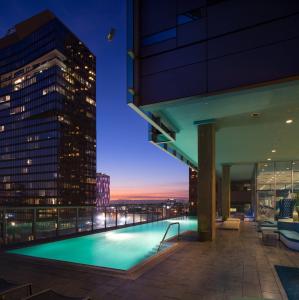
276 181
47 118
103 190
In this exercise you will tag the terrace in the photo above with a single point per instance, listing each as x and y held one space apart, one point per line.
237 264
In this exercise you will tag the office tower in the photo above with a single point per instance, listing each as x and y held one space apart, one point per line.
47 115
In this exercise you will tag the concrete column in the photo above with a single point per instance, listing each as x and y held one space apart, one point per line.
225 191
206 201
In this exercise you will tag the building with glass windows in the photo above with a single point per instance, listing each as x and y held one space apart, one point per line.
103 189
217 81
47 115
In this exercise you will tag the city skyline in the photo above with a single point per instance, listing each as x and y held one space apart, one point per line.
137 169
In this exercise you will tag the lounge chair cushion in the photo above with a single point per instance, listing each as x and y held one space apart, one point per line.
290 235
268 224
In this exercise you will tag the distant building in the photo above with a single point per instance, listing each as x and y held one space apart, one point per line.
103 189
47 115
193 191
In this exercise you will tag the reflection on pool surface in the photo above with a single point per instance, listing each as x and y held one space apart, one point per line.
118 249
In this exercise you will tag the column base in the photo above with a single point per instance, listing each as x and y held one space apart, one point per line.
205 236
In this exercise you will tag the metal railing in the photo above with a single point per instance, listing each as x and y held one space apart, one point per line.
168 227
29 223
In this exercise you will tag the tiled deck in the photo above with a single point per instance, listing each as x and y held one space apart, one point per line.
235 265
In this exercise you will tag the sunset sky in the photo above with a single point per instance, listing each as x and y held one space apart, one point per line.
138 169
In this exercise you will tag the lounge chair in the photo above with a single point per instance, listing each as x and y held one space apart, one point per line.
289 234
51 295
7 287
266 223
230 224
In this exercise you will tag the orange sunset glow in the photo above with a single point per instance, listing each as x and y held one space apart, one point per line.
148 192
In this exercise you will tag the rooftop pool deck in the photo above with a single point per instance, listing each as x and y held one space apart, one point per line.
237 264
120 249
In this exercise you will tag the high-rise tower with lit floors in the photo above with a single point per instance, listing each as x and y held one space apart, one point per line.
47 115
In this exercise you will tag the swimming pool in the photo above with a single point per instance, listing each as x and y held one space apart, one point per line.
119 249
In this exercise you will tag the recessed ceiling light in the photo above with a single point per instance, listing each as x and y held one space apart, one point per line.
273 151
269 158
255 115
289 121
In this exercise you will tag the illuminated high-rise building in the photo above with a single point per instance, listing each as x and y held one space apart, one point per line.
103 189
47 115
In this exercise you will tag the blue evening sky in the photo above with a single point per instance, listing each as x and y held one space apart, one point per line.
137 168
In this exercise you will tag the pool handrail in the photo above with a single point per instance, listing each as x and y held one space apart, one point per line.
165 234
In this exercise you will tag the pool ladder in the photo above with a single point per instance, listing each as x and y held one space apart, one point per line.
165 234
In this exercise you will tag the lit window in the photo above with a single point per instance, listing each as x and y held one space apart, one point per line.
25 170
89 115
17 110
90 101
7 186
29 162
19 80
2 128
4 98
53 88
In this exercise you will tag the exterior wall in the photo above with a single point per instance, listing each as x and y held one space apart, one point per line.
47 115
206 46
103 190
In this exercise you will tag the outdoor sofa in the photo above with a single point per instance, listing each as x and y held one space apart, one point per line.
289 234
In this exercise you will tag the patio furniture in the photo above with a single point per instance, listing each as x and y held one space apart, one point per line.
289 234
230 224
7 287
270 236
51 295
266 223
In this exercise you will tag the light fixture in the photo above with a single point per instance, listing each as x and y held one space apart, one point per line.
289 121
255 115
273 151
269 158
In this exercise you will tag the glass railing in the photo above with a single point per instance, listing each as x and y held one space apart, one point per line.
28 223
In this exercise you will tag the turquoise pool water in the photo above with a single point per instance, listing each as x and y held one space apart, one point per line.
118 249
